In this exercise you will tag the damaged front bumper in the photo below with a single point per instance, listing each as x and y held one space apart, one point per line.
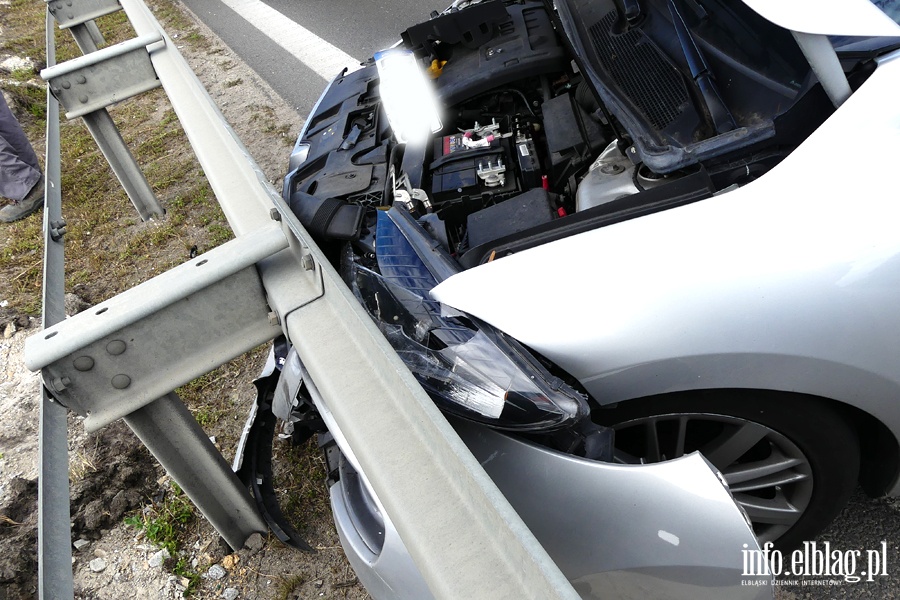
667 530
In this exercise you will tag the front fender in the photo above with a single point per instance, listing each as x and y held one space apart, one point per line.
625 531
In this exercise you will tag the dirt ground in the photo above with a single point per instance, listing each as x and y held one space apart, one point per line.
122 501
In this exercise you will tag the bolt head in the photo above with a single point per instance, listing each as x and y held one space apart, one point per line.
611 169
60 384
115 347
84 363
120 381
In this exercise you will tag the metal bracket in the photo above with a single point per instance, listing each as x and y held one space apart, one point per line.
298 270
99 79
124 353
75 12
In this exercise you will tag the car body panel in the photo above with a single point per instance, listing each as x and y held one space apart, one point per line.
827 17
632 531
788 283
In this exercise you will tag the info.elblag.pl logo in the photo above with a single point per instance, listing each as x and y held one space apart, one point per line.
817 561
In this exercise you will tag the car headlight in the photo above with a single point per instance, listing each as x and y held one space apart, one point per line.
470 369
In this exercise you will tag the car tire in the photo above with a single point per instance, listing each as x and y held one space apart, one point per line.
791 461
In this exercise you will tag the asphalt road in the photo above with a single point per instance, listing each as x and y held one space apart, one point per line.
360 28
357 27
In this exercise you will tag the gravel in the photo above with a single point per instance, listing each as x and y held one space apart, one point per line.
98 565
157 559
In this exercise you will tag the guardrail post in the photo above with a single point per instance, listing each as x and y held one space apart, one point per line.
78 18
171 433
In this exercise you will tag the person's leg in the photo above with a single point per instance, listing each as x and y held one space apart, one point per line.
20 172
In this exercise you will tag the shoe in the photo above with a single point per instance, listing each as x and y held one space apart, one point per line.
31 203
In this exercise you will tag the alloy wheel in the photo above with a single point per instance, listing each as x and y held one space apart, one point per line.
768 475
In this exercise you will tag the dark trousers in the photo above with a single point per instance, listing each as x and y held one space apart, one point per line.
19 168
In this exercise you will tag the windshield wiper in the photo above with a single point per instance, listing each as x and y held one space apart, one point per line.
701 74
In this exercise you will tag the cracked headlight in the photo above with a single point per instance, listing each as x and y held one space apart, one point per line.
468 368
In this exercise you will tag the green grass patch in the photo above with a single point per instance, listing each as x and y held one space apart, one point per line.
166 525
287 586
218 234
22 75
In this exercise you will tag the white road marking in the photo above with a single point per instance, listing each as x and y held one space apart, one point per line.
317 54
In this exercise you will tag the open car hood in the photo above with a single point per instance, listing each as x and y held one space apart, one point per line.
827 17
724 74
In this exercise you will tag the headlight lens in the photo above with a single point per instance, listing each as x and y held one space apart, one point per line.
469 369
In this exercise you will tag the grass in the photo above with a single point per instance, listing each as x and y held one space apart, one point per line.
80 465
299 473
166 524
263 117
108 248
287 586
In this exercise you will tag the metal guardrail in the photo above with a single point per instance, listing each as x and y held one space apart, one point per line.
54 533
461 532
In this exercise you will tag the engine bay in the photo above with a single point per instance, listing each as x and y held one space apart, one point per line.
534 146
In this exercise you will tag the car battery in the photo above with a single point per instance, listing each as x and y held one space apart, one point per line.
461 171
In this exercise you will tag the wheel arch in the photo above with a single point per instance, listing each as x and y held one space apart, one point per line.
866 397
879 448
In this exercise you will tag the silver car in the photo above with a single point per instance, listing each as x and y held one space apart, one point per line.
624 233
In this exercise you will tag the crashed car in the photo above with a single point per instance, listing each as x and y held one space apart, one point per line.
632 230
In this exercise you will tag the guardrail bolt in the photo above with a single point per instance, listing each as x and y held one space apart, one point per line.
115 347
274 321
59 384
57 229
307 262
274 214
